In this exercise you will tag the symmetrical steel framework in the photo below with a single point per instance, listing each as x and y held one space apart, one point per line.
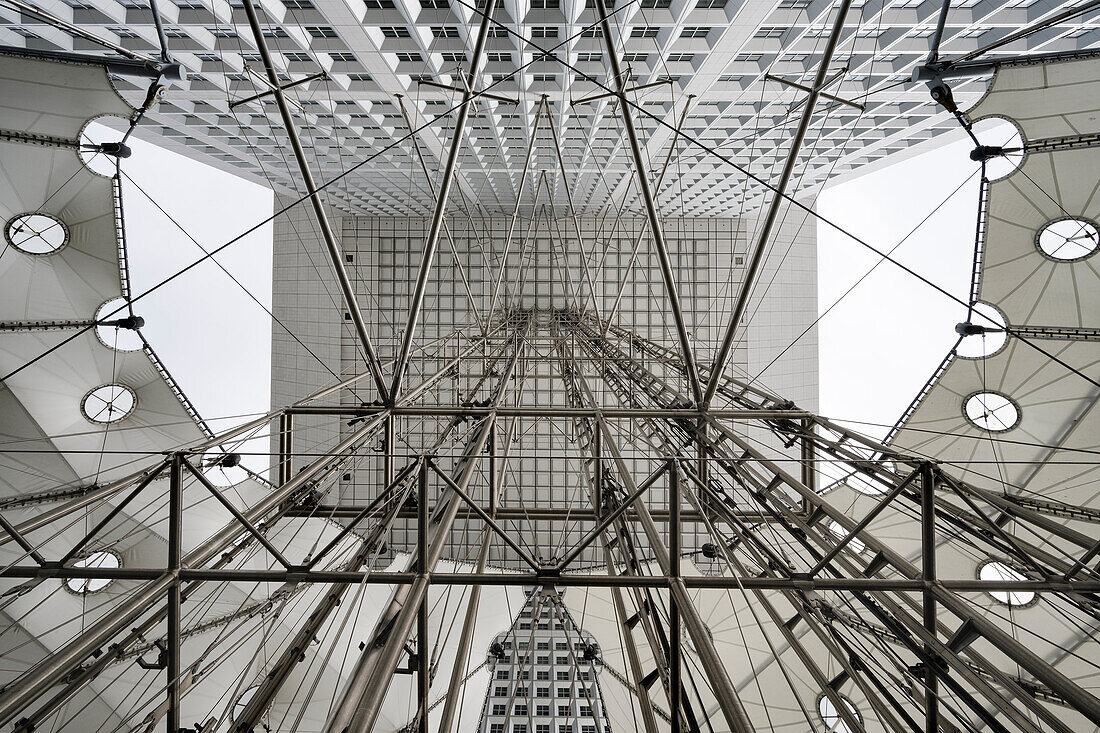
855 615
707 463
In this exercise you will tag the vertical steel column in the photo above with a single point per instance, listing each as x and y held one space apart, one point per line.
336 256
928 575
809 474
675 687
650 206
458 673
780 189
286 448
422 651
494 487
175 544
447 177
704 465
388 446
597 473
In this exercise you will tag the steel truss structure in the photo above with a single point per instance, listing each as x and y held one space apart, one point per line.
672 457
716 477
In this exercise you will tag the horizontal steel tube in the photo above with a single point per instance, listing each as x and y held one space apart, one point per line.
565 580
513 513
563 412
37 680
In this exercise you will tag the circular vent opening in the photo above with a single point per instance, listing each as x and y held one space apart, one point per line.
108 403
36 233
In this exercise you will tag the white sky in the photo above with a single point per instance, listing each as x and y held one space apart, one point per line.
877 347
212 337
882 342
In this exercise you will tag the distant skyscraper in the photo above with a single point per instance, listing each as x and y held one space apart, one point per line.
544 674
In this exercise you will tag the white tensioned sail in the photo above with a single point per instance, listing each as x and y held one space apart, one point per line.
63 260
1036 264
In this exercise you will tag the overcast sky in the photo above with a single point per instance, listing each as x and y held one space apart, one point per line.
212 337
882 342
878 346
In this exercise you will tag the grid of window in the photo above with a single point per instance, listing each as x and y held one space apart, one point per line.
695 31
572 707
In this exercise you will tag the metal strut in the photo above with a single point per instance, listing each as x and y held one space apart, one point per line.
778 197
336 255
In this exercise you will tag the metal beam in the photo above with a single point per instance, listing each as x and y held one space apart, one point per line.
31 684
294 652
485 517
446 178
1022 32
362 697
1087 704
642 228
573 216
35 12
550 412
619 511
675 685
446 226
458 673
519 513
175 552
778 197
928 575
730 702
336 255
851 583
515 211
650 205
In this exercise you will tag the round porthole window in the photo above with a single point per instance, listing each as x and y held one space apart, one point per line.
116 337
981 345
96 139
991 411
994 570
1002 133
108 403
1069 239
828 711
242 701
36 233
100 559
